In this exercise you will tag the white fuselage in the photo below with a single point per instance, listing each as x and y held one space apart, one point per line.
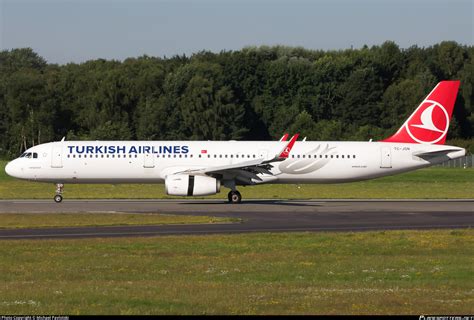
153 161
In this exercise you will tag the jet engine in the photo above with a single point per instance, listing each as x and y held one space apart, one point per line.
190 185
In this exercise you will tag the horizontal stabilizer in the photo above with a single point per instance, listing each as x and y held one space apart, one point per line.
441 153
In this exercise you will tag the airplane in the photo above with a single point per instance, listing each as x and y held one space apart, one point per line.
200 168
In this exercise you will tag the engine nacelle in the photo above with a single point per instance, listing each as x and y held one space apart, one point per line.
190 185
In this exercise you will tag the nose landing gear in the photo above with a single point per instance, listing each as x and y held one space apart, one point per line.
234 196
59 191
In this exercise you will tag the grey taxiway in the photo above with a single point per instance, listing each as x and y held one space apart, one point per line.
255 216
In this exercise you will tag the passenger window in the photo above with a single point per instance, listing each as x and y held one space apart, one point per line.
337 156
353 156
199 156
342 156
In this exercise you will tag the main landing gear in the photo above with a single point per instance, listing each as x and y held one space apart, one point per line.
59 191
234 196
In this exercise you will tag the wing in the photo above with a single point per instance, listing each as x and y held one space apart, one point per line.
246 171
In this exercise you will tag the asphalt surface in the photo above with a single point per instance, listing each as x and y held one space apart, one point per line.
256 215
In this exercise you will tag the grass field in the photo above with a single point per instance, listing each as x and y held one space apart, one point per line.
401 272
35 220
432 183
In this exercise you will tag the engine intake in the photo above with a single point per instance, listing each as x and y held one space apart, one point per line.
190 185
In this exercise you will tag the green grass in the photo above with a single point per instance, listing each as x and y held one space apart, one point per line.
432 183
396 272
46 220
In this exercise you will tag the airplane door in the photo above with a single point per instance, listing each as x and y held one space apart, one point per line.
57 155
148 160
385 157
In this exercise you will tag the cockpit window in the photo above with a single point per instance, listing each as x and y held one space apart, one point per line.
29 155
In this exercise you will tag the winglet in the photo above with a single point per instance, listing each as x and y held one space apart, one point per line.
285 136
286 151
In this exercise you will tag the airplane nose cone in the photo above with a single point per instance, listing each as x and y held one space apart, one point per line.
10 169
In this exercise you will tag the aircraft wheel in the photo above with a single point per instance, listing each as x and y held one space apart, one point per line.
58 198
234 197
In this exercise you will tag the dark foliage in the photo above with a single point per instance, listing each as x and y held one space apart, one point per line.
252 94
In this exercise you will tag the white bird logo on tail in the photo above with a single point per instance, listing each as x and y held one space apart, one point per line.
427 120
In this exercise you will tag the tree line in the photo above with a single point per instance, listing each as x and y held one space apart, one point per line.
257 93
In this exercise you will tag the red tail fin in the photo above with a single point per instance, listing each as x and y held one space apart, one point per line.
430 122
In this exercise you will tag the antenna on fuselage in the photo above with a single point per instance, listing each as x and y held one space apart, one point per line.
304 139
64 138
